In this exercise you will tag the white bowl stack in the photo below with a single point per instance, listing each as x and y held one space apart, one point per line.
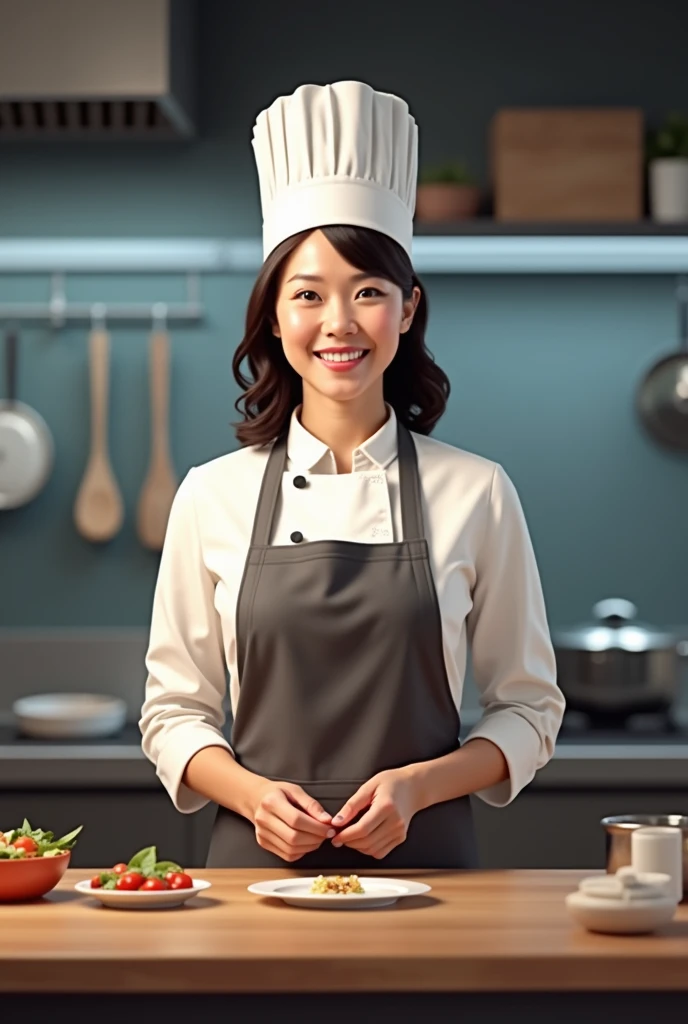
59 716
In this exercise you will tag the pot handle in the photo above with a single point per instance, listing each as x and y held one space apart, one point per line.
615 609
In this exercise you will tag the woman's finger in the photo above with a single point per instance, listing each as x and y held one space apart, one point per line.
379 835
380 838
382 847
276 804
382 850
293 809
373 819
289 834
309 804
272 841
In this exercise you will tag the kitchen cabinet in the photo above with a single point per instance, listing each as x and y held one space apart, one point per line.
545 828
542 828
116 823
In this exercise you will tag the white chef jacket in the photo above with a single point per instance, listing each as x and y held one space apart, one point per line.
481 556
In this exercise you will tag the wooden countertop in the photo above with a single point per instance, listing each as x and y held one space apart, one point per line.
476 931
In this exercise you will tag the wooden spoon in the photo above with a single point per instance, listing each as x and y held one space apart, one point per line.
160 485
99 509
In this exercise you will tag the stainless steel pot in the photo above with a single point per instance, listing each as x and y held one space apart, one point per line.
618 831
617 665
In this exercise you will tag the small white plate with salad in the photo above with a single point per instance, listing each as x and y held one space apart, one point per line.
142 884
339 892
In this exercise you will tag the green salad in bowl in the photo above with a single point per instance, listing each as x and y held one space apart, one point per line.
34 842
32 861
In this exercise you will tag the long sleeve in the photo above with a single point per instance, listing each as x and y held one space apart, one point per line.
183 707
513 659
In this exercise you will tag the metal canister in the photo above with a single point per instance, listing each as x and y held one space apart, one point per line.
618 829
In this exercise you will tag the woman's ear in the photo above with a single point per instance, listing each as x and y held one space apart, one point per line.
409 309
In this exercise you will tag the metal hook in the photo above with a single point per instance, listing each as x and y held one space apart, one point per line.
98 315
58 302
160 316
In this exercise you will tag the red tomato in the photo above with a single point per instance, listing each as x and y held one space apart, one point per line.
130 881
180 880
120 869
173 874
96 882
152 884
25 843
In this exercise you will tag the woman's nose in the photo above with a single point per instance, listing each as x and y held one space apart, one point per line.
340 322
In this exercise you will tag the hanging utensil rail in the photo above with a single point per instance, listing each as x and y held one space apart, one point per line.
58 311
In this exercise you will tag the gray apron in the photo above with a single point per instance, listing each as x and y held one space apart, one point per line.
339 650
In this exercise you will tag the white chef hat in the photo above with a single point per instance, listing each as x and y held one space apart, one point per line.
336 154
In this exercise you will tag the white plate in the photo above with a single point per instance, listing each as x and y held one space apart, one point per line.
379 892
136 900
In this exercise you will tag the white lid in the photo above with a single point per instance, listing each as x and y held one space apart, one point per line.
627 884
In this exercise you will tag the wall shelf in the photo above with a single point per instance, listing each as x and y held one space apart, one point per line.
479 249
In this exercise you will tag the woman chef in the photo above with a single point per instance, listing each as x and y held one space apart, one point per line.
339 562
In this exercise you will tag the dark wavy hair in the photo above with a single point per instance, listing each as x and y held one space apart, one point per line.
413 384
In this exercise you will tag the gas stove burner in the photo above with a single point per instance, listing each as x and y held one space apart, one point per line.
661 723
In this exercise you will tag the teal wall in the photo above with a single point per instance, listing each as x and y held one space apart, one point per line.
543 369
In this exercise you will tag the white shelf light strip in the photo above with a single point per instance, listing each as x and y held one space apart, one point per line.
431 254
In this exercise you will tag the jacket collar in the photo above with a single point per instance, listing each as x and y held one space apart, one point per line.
310 455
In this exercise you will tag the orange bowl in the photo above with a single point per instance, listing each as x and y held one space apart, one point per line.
27 878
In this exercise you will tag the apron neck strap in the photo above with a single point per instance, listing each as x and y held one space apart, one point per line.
409 489
409 486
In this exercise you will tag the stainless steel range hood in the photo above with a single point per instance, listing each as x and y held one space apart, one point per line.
94 69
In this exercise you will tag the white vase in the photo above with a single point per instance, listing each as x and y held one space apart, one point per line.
669 189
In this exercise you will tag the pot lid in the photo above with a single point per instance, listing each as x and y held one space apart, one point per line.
615 628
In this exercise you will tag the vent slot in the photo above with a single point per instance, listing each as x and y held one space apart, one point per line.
98 69
29 119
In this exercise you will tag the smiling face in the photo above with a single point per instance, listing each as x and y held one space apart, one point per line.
339 326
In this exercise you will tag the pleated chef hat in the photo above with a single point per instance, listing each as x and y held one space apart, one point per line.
336 154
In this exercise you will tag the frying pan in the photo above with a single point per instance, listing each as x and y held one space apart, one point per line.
662 398
26 446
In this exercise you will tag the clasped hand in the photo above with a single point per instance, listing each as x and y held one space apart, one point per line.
291 823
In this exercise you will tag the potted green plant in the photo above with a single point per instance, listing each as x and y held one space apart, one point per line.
667 153
446 192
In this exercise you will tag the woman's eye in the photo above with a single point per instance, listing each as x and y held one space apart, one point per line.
307 292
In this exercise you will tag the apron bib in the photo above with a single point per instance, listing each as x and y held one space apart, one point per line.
339 651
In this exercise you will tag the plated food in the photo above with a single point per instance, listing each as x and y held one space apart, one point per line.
321 891
336 884
32 861
143 873
143 882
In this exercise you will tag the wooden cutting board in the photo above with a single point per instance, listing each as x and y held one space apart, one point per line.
568 164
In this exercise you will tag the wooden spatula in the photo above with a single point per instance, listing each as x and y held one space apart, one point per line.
160 485
99 509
